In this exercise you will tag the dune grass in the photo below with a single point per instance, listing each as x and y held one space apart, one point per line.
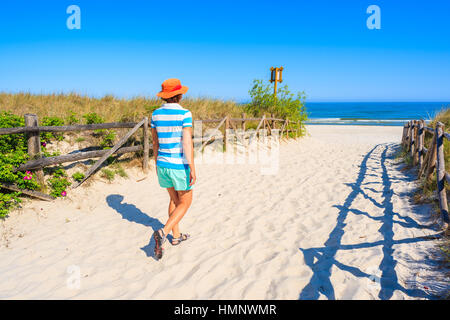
72 107
443 116
428 188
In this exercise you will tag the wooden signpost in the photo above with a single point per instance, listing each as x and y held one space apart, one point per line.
276 76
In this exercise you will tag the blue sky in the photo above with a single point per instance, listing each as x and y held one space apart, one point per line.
127 48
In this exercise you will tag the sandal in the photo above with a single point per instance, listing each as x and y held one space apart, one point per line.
160 238
181 238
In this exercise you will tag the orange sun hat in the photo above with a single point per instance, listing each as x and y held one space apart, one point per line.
171 88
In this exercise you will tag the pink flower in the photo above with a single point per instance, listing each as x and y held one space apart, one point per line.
28 172
44 144
25 178
64 193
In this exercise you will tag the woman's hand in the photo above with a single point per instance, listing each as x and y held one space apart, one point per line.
192 178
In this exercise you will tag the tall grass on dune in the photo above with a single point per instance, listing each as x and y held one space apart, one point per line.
427 192
429 188
112 109
444 117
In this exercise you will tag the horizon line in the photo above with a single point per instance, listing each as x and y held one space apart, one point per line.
237 100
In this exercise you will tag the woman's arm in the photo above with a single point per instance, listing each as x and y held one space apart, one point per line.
188 150
155 144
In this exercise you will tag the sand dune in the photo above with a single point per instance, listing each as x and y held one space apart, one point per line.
335 222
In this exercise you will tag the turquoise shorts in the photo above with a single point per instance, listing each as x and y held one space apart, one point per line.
177 178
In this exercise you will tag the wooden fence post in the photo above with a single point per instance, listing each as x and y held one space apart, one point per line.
420 140
34 144
410 130
146 145
407 136
432 159
440 171
426 161
416 142
243 121
416 146
412 140
405 128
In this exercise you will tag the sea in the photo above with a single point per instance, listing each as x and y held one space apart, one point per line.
371 113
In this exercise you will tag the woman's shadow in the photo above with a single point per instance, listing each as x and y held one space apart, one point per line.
131 213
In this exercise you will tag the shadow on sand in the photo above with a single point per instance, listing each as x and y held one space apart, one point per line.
321 260
131 213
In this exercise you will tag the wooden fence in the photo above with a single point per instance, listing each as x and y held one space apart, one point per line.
37 162
429 159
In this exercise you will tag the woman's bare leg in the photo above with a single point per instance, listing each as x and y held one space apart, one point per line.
174 201
185 200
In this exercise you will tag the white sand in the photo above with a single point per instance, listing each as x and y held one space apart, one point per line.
333 220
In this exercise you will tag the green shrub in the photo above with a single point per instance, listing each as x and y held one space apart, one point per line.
52 121
93 118
78 176
58 186
108 174
72 118
108 140
59 172
27 180
285 105
13 149
7 202
12 142
13 153
58 182
7 163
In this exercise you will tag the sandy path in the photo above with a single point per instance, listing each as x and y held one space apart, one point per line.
335 222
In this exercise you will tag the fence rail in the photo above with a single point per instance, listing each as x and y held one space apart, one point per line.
429 159
78 127
37 162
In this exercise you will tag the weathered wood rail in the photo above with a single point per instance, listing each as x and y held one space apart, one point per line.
37 162
429 159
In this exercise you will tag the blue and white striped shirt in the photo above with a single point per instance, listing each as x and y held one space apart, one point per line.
169 121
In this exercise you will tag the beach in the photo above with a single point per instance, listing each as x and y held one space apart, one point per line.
336 221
